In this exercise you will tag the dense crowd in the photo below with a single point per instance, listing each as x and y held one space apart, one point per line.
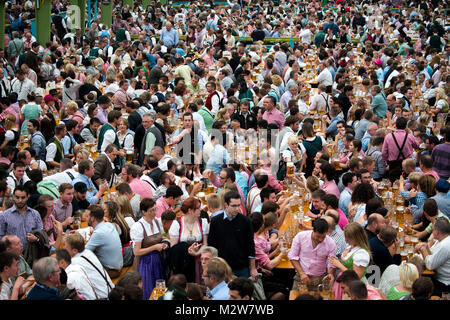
266 150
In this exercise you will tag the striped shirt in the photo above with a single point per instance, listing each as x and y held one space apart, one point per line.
441 160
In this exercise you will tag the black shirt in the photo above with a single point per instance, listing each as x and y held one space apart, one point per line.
370 234
381 255
79 205
233 239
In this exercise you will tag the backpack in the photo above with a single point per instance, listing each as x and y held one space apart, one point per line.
48 187
220 100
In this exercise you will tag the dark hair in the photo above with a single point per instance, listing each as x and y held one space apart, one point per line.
168 215
330 200
257 220
243 286
347 178
328 170
20 188
231 195
442 225
320 225
63 254
146 204
265 193
261 180
373 205
347 277
230 174
269 206
401 123
358 289
6 259
422 288
362 193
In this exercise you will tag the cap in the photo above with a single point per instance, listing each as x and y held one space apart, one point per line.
48 98
378 62
442 185
80 187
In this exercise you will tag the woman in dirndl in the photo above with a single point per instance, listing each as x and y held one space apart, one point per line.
148 243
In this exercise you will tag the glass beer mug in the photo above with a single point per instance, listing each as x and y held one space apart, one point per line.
289 169
129 155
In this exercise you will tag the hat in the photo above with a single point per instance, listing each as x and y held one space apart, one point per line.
378 62
103 99
80 187
442 185
48 98
91 97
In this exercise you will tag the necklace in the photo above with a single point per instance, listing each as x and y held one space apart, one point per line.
189 227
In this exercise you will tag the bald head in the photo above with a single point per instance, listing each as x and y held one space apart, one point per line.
331 223
375 223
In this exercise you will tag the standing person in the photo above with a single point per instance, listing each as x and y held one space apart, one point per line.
237 248
271 113
55 148
398 146
104 241
189 141
146 235
309 255
441 156
20 219
46 272
312 144
107 134
37 141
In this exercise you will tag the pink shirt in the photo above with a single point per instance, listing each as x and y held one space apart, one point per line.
313 261
274 116
390 151
343 221
433 174
141 188
262 249
161 206
273 182
331 187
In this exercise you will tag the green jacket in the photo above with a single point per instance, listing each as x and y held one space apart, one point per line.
207 117
101 135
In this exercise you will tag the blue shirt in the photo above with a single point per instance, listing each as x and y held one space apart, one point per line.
169 38
220 292
105 243
218 159
242 182
365 141
344 200
216 213
92 190
332 128
66 143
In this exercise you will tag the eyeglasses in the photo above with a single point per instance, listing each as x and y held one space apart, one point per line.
222 178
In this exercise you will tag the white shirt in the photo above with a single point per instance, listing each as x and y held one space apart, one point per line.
162 163
325 77
215 100
137 233
95 277
253 199
22 88
11 180
61 177
305 35
108 138
439 260
201 121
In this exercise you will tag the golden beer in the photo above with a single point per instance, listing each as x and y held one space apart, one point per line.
196 181
337 165
305 205
94 155
129 156
201 196
211 189
290 169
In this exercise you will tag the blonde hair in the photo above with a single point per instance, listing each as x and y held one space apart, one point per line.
227 188
10 121
292 139
71 106
125 208
270 219
48 59
90 79
228 271
414 177
312 183
276 80
70 67
213 201
408 274
440 94
220 114
353 231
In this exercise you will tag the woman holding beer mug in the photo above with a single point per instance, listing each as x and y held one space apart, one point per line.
295 153
148 241
188 234
125 135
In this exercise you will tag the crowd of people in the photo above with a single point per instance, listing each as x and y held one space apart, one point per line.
162 157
